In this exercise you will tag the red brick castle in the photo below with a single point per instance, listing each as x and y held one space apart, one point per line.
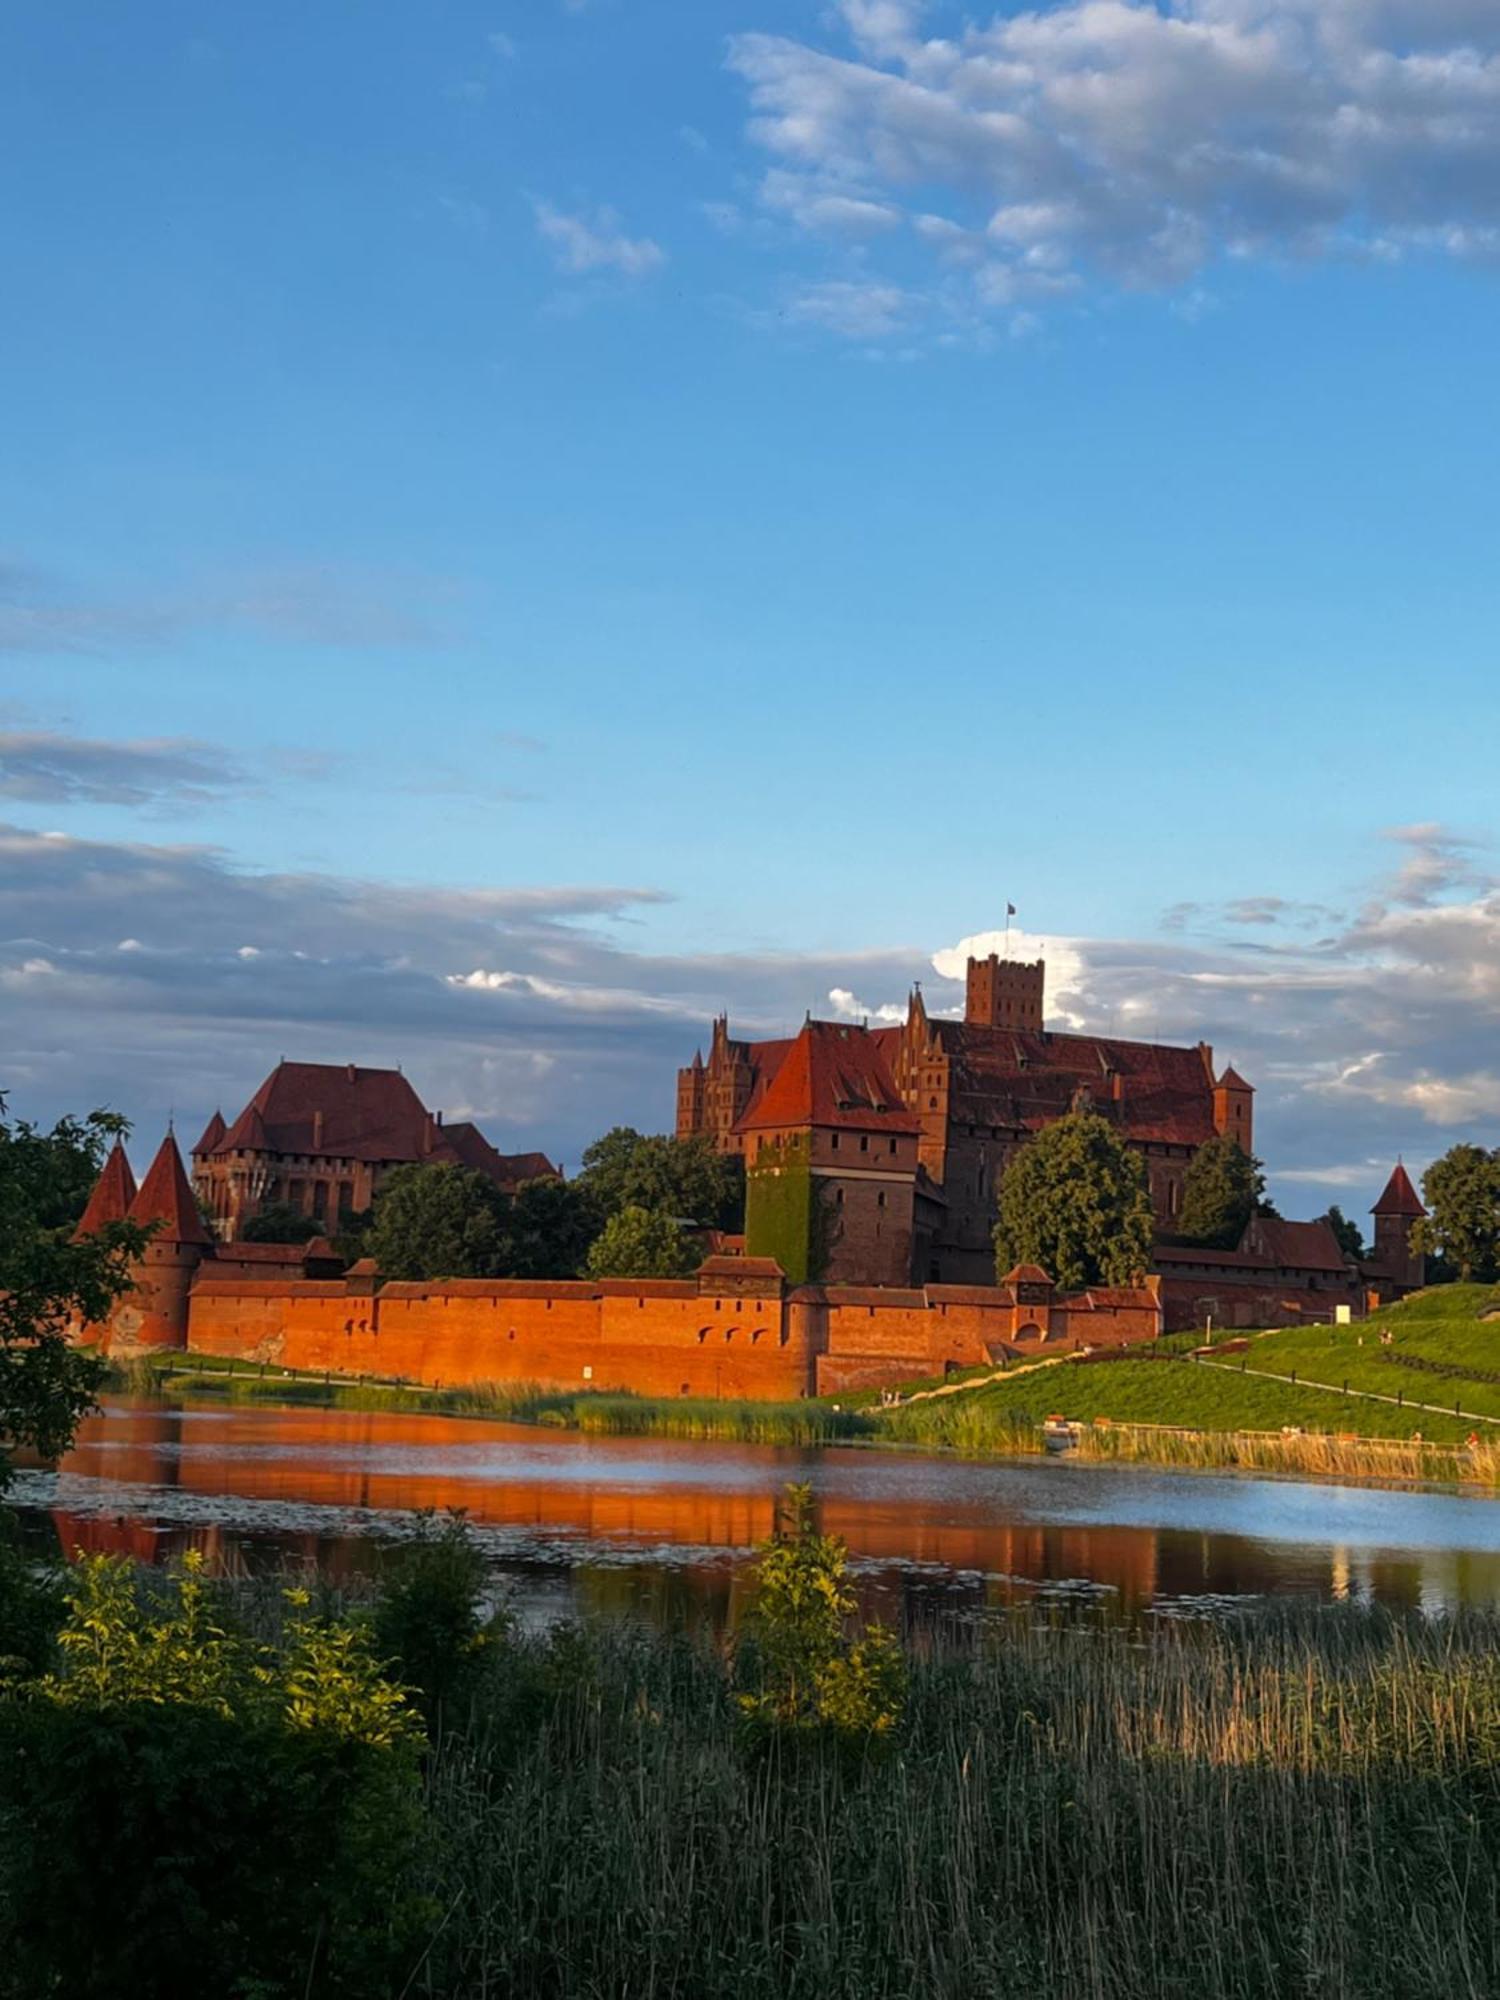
910 1128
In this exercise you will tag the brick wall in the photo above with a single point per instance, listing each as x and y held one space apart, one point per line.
718 1335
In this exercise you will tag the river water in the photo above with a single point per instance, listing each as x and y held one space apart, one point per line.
666 1530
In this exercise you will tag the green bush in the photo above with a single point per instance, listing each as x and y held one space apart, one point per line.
185 1811
808 1674
429 1625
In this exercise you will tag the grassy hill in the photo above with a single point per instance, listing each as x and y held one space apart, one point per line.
1441 1353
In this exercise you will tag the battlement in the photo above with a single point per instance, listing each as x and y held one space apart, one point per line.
1005 993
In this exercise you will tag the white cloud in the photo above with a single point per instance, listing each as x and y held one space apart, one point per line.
1132 143
580 244
845 306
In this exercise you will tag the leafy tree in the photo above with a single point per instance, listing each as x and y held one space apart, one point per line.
1075 1200
549 1227
811 1674
1462 1225
439 1221
1350 1240
1222 1189
687 1178
643 1243
47 1281
281 1223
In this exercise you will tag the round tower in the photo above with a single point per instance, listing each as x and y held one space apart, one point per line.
154 1313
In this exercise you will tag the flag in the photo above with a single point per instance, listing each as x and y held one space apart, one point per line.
1010 909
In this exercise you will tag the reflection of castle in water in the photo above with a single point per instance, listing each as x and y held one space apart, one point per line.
573 1501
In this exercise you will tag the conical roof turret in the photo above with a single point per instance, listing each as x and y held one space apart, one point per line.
1400 1197
112 1195
213 1132
166 1198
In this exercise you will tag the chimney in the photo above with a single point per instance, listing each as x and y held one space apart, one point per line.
317 1131
350 1072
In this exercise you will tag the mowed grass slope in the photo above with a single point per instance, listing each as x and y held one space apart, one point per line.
1441 1328
1138 1391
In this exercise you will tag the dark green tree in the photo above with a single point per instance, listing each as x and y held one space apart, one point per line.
47 1281
643 1243
280 1223
549 1227
1076 1201
687 1178
439 1221
1222 1188
1462 1225
1350 1240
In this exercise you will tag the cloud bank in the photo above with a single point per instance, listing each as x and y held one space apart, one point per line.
157 977
1130 144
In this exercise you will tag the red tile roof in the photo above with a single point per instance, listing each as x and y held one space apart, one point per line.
112 1195
1026 1274
833 1076
213 1132
1296 1246
1232 1080
1400 1197
165 1198
1025 1080
339 1111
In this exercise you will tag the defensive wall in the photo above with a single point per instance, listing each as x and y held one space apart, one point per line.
728 1332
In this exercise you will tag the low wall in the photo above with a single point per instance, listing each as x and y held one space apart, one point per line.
714 1335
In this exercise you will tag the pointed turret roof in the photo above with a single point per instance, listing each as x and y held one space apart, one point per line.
833 1075
248 1133
113 1193
213 1132
1400 1197
166 1198
1232 1080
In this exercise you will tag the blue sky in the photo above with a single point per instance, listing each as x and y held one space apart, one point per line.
775 483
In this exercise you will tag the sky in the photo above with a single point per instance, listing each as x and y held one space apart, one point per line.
524 525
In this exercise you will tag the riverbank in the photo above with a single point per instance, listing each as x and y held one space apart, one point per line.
1291 1803
1297 1431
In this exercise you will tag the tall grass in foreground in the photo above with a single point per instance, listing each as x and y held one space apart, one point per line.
1303 1807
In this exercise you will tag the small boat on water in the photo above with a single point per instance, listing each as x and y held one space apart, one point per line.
1058 1434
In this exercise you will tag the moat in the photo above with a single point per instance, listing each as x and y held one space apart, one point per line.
664 1530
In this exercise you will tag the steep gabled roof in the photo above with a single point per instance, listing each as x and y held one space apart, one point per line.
1296 1246
165 1198
832 1076
112 1195
1232 1080
333 1109
1400 1197
1024 1079
213 1132
466 1146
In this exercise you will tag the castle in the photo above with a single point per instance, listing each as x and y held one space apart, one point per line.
942 1106
872 1157
322 1138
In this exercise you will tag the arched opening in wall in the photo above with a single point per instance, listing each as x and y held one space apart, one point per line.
755 1334
1031 1331
703 1333
686 1389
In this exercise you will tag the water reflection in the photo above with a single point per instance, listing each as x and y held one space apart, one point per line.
664 1530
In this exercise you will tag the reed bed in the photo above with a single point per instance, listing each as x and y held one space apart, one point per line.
1286 1807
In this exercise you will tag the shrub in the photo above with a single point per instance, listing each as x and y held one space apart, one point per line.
184 1811
429 1624
812 1676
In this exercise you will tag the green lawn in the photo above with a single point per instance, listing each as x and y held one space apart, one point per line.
1155 1392
1441 1326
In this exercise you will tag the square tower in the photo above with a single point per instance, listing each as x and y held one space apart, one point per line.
1004 993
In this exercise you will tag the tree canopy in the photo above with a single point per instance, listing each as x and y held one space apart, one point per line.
435 1220
1222 1188
1075 1200
549 1226
686 1178
47 1280
279 1222
1462 1193
1350 1241
643 1243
